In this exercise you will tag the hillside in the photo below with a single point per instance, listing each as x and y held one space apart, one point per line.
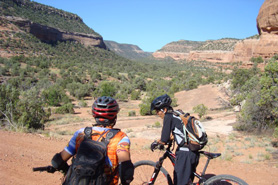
44 15
51 25
181 46
126 50
185 46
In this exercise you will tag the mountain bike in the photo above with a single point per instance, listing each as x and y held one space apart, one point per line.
149 172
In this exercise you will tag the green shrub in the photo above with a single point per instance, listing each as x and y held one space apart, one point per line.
201 109
157 124
65 109
239 77
82 103
25 112
260 111
135 95
144 109
121 96
140 83
257 59
79 90
54 96
132 113
275 134
106 89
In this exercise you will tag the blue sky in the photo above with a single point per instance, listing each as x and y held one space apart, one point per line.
151 24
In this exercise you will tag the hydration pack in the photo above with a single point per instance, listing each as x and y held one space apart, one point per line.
90 161
195 134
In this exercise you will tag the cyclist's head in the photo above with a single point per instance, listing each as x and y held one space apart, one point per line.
105 110
161 102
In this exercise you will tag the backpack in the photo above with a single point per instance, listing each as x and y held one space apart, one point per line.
89 162
195 134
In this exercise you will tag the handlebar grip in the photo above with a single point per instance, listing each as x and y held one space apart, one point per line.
49 169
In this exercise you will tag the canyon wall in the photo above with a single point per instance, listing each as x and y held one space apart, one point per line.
266 46
53 35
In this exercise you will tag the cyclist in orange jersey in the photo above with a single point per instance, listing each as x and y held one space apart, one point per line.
105 110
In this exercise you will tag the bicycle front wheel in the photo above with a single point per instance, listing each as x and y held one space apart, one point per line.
225 180
143 173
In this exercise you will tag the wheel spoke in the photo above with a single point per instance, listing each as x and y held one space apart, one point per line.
143 174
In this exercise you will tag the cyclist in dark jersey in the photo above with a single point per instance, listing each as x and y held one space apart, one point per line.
186 160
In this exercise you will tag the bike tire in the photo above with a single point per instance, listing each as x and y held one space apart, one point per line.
143 173
225 180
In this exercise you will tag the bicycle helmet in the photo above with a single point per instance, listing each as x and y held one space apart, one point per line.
161 102
105 110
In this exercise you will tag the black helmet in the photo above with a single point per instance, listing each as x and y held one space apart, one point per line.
161 102
105 110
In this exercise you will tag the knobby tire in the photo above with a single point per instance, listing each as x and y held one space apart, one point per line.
143 173
225 180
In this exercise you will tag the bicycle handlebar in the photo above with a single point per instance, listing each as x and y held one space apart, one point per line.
49 169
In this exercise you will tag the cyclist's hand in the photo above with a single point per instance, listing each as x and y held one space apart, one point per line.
160 146
154 145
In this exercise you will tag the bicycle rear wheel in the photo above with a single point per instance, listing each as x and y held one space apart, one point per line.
143 174
225 180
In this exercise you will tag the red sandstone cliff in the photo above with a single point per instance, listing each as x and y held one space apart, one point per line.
266 46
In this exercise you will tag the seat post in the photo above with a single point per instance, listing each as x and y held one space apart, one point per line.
205 168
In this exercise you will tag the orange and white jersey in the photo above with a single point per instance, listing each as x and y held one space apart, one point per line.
120 142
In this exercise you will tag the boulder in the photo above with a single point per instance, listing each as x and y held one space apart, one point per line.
267 24
267 19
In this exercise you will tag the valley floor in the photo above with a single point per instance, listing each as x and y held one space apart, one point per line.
245 156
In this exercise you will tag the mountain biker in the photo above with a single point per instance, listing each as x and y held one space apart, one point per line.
186 160
105 110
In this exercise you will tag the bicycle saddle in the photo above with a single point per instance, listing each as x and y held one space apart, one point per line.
210 155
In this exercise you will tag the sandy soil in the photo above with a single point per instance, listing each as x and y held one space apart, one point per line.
20 152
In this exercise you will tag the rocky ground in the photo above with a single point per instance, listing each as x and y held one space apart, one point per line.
246 156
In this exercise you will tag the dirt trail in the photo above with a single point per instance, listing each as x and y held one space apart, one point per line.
20 152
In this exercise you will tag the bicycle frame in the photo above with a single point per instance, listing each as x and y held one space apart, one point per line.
168 154
172 157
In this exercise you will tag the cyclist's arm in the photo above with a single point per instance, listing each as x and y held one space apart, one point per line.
65 155
123 156
123 152
126 168
59 160
163 143
166 130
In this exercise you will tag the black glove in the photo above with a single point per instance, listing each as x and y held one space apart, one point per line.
58 163
126 172
156 145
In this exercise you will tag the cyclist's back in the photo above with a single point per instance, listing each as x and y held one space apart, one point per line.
120 139
118 162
